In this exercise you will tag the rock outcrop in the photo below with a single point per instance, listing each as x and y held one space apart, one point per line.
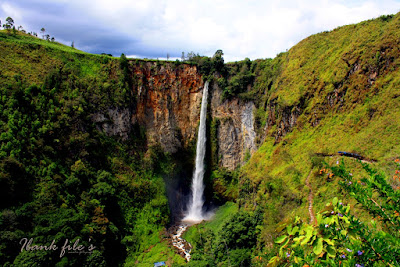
168 100
114 122
168 103
235 129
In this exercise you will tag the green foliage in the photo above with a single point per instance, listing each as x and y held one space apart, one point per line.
340 237
60 178
123 62
218 61
225 184
374 193
249 80
214 124
160 252
227 240
26 39
242 76
321 97
386 17
240 231
9 24
126 80
15 185
205 66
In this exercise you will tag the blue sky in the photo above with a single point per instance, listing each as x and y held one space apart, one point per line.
153 28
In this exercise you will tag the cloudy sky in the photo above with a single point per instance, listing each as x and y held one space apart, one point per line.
153 28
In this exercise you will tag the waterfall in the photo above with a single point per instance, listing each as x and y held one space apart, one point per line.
195 210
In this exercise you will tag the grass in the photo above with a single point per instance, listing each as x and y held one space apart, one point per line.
31 59
222 215
22 38
322 59
159 252
354 66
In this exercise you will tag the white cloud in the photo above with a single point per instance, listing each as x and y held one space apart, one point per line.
11 11
254 29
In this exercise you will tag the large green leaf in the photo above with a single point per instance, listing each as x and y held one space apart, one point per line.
318 248
331 251
329 241
281 239
294 230
334 201
273 262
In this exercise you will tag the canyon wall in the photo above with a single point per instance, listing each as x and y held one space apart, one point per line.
235 129
167 105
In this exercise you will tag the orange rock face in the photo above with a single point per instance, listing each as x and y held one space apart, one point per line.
168 102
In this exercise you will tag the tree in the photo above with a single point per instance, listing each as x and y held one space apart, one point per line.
9 24
43 30
218 54
190 55
10 21
123 62
218 60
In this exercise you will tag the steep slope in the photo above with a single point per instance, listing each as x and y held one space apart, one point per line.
91 145
60 178
334 91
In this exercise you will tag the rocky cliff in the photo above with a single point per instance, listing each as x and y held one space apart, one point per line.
168 100
235 129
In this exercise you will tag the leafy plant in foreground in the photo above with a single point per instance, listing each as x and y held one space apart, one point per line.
341 239
374 193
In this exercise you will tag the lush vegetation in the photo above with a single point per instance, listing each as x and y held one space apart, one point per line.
334 91
62 178
227 240
341 90
341 239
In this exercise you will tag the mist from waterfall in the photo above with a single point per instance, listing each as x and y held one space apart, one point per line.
194 212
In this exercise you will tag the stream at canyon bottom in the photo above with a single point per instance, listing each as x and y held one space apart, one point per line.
184 248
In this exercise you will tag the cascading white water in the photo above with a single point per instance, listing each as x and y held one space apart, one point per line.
195 210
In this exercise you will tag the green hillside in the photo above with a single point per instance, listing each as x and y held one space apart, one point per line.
343 89
334 91
60 177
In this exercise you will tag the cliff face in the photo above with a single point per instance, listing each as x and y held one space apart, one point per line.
168 100
235 129
168 103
